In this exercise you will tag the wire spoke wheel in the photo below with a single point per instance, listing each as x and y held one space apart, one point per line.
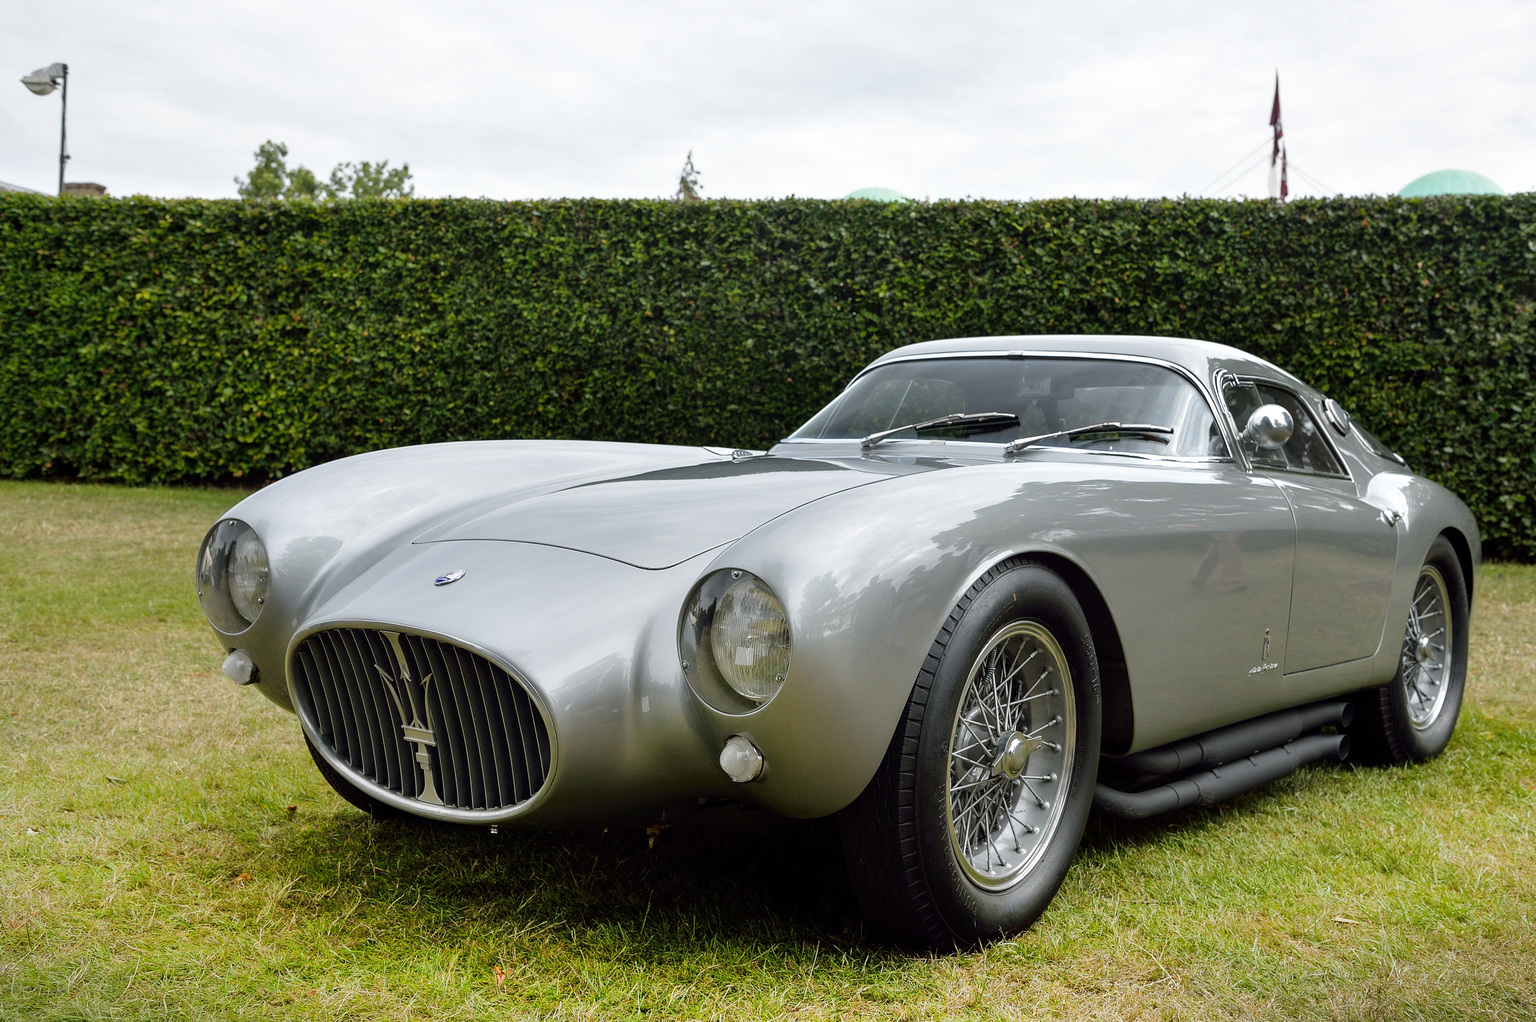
1011 753
1411 718
968 828
1428 646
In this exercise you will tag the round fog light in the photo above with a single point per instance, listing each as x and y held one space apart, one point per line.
240 668
741 760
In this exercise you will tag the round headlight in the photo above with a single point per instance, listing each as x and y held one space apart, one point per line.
232 573
248 575
734 641
750 639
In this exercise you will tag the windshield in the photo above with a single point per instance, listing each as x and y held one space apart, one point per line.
1046 394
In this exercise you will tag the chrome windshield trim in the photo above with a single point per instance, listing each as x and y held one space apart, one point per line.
991 447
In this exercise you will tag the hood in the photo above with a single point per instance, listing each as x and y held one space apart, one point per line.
658 518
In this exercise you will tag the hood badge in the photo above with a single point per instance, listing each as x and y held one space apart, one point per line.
448 577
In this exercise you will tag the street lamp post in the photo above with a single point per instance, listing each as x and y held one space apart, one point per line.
43 81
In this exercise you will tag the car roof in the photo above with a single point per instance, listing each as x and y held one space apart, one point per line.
1202 358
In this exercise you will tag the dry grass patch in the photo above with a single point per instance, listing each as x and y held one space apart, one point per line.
151 865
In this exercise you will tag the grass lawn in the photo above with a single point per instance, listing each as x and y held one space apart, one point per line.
167 850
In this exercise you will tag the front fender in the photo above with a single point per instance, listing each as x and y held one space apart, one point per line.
1428 509
866 576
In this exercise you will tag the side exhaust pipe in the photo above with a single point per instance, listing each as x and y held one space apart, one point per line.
1214 786
1235 740
1239 758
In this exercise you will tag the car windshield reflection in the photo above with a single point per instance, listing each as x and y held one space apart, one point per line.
1032 396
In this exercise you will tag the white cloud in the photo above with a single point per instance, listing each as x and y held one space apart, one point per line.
996 99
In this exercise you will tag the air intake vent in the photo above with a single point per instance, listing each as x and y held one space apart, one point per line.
422 718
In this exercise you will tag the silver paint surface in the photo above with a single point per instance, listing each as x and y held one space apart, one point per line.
1235 591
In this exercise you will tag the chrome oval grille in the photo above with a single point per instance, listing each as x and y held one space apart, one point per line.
422 717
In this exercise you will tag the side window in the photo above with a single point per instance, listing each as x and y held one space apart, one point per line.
1306 451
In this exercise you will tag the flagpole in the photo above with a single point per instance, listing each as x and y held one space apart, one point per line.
63 120
1278 186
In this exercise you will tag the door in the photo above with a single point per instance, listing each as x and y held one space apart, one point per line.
1346 549
1198 577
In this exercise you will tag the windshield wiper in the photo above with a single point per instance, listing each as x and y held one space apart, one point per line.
1140 431
971 422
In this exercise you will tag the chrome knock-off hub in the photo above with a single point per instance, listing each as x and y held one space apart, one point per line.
1013 755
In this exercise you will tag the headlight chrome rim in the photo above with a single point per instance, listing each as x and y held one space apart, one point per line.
736 607
233 574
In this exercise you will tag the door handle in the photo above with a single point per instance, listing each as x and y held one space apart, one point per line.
1391 517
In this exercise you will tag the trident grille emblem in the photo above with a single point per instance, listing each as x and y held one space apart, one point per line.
418 734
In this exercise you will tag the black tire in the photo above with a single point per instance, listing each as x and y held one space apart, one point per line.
917 884
1396 723
345 788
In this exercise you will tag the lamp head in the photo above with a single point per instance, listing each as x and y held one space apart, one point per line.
45 79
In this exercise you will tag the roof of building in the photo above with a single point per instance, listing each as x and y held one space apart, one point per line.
1450 182
879 195
6 186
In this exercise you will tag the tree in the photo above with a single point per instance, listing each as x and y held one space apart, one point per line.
370 181
271 179
688 188
270 174
302 184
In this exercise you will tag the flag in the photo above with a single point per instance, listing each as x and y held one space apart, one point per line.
1279 186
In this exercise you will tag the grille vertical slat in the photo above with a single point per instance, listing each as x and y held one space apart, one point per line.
541 736
325 720
490 789
315 708
375 654
529 744
370 726
450 743
462 698
489 747
517 783
345 708
331 680
506 788
381 715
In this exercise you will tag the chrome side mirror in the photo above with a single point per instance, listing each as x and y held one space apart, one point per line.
1269 427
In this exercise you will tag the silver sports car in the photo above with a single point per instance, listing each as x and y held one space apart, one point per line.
995 583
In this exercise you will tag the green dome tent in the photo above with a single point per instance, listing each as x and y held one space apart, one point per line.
1450 182
878 195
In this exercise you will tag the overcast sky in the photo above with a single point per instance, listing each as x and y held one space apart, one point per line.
1012 99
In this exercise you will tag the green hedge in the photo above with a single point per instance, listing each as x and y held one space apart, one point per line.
145 340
